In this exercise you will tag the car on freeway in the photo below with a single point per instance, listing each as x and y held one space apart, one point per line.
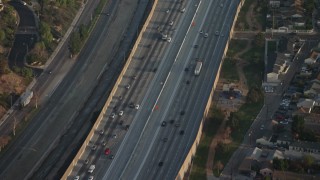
111 156
114 136
121 122
181 132
167 11
177 125
221 5
134 77
86 161
128 86
217 33
90 178
76 178
103 143
127 127
160 164
101 132
196 46
120 113
201 32
137 106
131 105
107 151
165 139
183 10
171 23
171 121
169 39
112 115
94 147
164 123
206 35
120 98
91 168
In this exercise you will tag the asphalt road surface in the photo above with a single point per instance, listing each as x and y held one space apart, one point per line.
55 117
165 92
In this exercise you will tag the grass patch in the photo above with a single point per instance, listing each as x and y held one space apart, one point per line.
228 70
209 130
245 115
255 68
241 23
235 46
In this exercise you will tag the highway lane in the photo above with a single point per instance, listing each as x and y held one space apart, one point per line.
112 126
60 110
168 150
146 106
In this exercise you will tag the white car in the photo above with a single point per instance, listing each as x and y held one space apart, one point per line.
262 127
167 11
90 178
171 23
137 106
169 39
112 115
120 113
183 10
76 178
206 35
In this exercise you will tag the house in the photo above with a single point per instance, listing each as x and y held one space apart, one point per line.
284 139
266 169
309 61
246 166
273 78
286 175
1 6
266 140
313 90
274 3
299 149
306 104
312 122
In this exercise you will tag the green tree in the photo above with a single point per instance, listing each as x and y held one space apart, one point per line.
26 72
280 164
254 95
84 32
45 32
75 42
2 35
308 160
298 124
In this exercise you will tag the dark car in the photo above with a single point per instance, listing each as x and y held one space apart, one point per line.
163 123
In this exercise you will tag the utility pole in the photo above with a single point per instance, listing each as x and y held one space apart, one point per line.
14 126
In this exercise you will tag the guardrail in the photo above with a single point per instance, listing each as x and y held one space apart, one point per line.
188 161
104 109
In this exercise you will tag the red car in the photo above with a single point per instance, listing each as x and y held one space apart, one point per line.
107 151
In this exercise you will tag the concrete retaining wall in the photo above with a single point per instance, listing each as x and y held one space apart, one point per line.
188 161
103 111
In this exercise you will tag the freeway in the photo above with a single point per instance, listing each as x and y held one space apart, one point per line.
143 67
172 93
64 107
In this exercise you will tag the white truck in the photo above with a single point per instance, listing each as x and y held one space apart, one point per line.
25 98
197 70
